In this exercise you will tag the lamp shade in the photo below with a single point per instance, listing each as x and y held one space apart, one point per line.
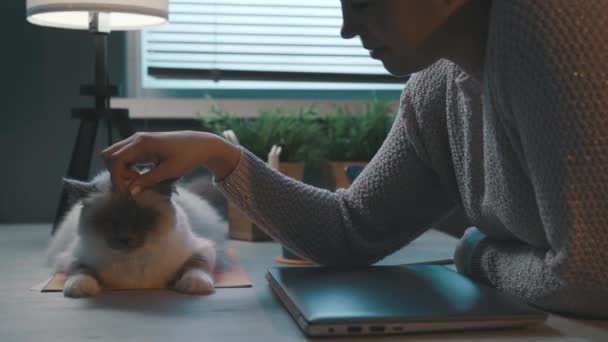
75 14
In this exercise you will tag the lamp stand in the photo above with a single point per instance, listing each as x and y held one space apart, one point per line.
102 90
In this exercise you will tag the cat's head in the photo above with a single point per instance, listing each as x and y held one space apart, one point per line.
118 220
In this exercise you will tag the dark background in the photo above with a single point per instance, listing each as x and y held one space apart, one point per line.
42 69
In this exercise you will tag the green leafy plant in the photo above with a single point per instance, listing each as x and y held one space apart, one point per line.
306 135
295 131
357 136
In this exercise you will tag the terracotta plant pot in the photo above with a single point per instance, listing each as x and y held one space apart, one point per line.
339 177
239 225
241 228
294 170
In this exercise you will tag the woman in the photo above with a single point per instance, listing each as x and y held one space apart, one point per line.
504 116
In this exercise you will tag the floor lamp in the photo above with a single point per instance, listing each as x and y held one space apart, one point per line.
99 17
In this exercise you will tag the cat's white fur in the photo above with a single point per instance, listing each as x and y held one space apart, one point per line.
157 262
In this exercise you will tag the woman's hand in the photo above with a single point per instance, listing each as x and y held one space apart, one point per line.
175 154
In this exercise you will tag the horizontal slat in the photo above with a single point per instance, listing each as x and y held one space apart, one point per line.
206 38
254 59
203 74
273 3
285 68
267 30
266 20
255 49
246 10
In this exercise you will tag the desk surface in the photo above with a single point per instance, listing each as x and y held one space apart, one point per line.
249 314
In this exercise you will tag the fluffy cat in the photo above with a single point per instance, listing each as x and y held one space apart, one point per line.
166 236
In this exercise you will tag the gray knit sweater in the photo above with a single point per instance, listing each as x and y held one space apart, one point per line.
524 150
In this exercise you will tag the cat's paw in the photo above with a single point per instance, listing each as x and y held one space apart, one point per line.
81 285
194 281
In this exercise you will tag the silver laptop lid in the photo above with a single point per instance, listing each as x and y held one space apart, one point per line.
391 296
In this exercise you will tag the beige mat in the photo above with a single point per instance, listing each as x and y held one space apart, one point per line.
233 277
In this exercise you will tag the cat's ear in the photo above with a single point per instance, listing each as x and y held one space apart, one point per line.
77 189
166 187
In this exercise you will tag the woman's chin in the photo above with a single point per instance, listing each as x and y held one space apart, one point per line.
401 69
397 70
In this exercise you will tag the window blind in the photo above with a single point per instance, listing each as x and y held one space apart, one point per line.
271 40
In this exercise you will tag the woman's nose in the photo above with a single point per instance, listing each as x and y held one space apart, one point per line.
348 29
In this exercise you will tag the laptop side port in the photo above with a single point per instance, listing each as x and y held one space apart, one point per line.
377 328
354 329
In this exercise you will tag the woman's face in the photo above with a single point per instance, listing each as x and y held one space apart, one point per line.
398 32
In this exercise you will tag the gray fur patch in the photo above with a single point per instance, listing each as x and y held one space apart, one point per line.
119 220
78 190
116 217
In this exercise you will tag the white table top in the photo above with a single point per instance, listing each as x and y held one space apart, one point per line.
244 314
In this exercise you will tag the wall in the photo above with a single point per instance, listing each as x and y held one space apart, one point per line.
42 69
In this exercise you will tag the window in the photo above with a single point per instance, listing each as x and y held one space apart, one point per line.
258 45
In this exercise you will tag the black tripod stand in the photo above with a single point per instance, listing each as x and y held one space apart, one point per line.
102 90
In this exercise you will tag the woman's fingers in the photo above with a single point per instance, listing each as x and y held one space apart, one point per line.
163 152
111 164
150 178
121 162
106 153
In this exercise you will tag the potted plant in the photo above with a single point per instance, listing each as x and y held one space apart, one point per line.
294 131
353 138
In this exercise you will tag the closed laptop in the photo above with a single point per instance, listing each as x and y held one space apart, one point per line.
378 300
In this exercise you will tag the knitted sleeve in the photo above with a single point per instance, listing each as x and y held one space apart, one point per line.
392 202
549 62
